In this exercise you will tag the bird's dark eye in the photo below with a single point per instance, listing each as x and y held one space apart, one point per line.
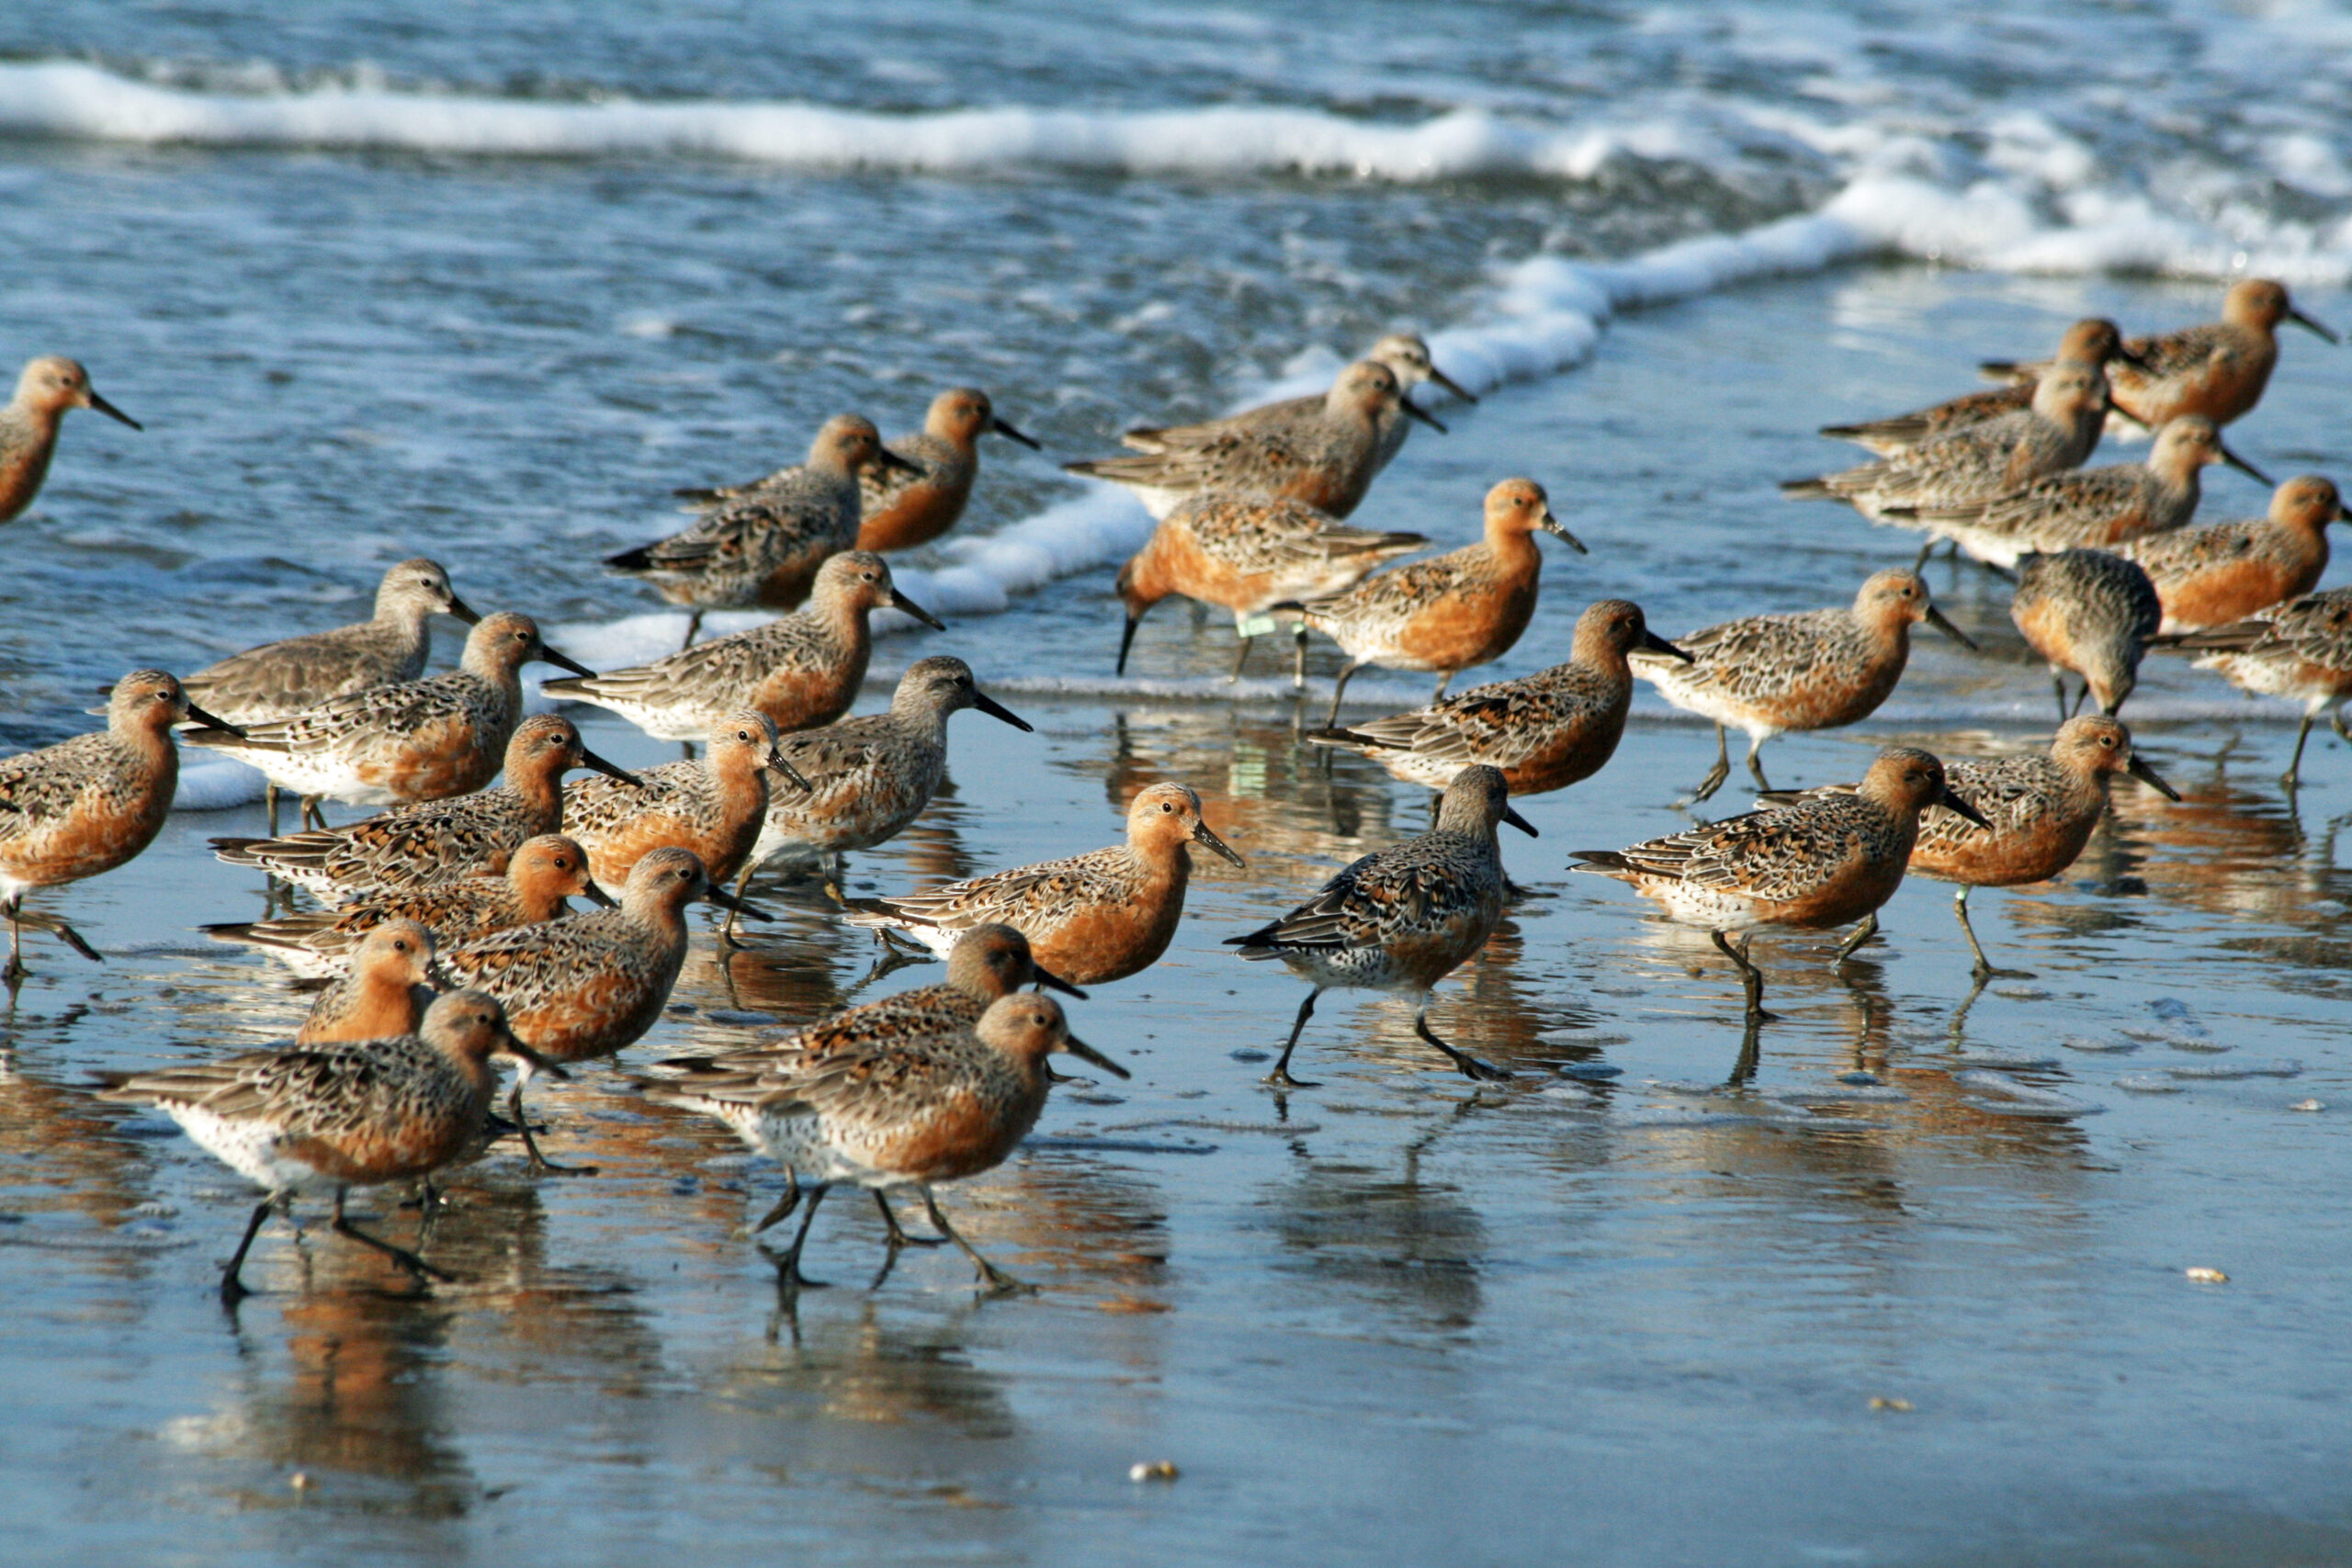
1168 805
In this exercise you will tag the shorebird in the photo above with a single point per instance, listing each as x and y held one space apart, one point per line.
1545 731
301 1118
1406 354
1814 864
2091 340
802 669
906 507
2225 571
412 740
762 542
544 871
2218 371
1322 452
1401 918
279 679
1814 669
1092 919
2085 508
869 777
1980 462
417 846
587 987
1450 613
910 1113
1247 555
86 805
29 424
2089 612
385 994
714 807
2301 651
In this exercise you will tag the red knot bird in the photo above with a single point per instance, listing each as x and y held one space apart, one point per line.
1545 731
86 805
543 873
1406 355
714 807
279 679
1814 669
2223 572
2218 371
417 846
358 1113
2089 612
50 386
1401 918
902 508
761 544
587 987
1814 864
1449 614
869 777
1249 555
2086 508
409 741
1321 452
1981 462
802 669
2091 340
385 994
2302 651
908 1112
1092 919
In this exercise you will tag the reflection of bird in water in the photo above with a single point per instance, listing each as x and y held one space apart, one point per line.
1409 1247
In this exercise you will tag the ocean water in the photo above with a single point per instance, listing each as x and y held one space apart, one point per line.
486 282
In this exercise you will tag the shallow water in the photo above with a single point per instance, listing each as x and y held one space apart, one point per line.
1633 1307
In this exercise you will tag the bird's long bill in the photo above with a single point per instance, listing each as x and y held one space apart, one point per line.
726 900
1512 815
781 765
590 759
111 411
906 607
1936 619
464 611
1657 644
602 899
1085 1053
2295 316
1412 411
994 709
213 722
1126 641
1960 807
1001 428
1551 524
885 458
1202 835
564 661
2139 768
530 1058
1054 982
2240 464
1450 385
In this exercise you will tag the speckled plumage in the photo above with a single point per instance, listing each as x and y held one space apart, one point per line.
2302 651
1322 452
1406 355
802 669
2091 611
385 993
713 807
1091 919
2225 571
1545 731
902 508
761 544
29 425
413 847
2091 340
279 679
1404 917
412 740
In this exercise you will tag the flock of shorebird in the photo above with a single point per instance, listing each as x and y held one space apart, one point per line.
444 937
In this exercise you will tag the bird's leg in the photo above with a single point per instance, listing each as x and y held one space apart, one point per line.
743 880
315 813
788 1276
898 1237
783 1207
1347 673
998 1281
1442 683
837 869
1756 767
2058 681
418 1269
2336 722
539 1164
1750 977
693 626
16 972
1863 933
1280 1074
1984 969
1469 1066
1925 551
269 803
1240 659
1298 659
57 927
2292 777
1716 774
233 1288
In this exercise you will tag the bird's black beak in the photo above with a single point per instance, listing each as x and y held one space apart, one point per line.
1512 815
1001 428
1450 385
1936 619
2293 315
1202 835
2240 464
1413 412
726 900
1085 1053
111 411
906 607
1048 978
590 759
994 709
598 897
1960 807
564 661
209 722
463 611
1551 524
524 1053
885 458
1657 644
2139 768
780 764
